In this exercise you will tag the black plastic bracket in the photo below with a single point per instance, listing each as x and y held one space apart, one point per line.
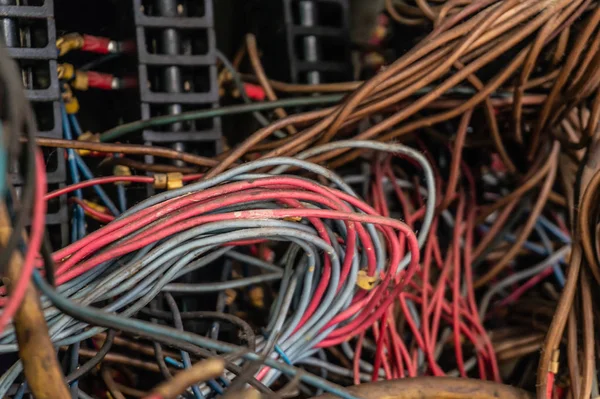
191 51
30 36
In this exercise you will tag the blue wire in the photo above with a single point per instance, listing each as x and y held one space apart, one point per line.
558 273
74 363
174 362
211 383
21 391
76 125
187 364
224 381
535 248
122 197
78 222
554 229
87 173
282 354
546 248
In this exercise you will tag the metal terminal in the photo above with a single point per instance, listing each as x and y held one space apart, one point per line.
113 47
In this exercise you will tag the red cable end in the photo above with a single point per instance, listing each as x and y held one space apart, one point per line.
550 385
103 81
95 44
254 92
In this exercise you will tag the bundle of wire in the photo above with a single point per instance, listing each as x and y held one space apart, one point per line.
354 283
333 235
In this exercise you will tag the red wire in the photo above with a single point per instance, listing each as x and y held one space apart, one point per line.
148 215
356 360
98 239
95 44
99 216
550 385
99 80
35 241
96 181
456 289
516 294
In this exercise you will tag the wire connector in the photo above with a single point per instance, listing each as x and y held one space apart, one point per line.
257 297
66 71
80 81
72 106
95 206
123 171
168 181
555 362
68 42
365 281
88 136
174 180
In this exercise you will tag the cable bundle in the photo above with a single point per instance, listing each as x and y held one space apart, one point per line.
333 236
388 263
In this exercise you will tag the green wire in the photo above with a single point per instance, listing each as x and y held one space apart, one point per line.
120 131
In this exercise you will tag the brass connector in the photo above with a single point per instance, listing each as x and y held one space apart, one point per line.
257 297
122 170
71 41
95 206
72 106
80 82
555 362
65 71
365 281
174 180
160 181
168 181
87 136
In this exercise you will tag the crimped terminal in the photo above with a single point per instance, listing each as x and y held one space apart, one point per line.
95 206
87 136
160 181
71 41
174 180
66 71
168 181
122 170
555 363
72 105
81 81
257 297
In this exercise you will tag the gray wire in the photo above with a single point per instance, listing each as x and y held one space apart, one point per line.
392 148
521 275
